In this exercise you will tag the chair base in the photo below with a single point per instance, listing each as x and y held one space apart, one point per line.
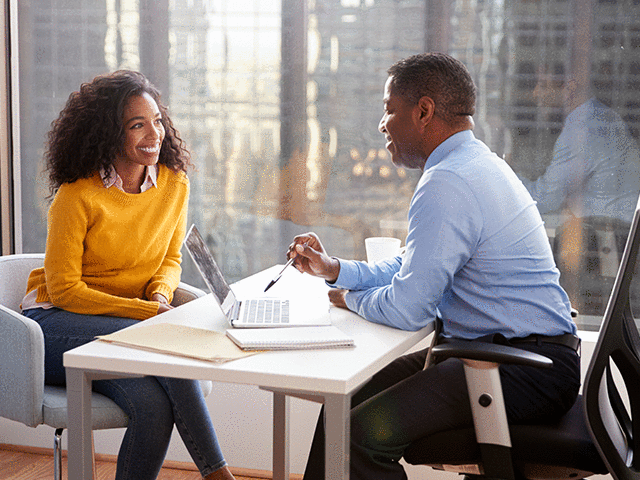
531 472
57 454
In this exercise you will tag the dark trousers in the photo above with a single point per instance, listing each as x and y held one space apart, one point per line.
404 402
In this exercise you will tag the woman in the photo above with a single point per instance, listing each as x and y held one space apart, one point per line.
117 167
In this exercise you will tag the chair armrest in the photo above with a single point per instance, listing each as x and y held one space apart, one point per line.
490 352
21 368
481 369
186 293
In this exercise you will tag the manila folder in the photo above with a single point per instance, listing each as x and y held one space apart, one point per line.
179 340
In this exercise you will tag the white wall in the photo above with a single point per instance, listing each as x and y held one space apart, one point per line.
242 416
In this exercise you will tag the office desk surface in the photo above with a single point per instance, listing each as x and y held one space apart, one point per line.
328 370
326 375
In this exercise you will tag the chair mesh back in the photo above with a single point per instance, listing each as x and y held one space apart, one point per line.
612 385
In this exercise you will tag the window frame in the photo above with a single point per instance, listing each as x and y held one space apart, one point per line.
10 191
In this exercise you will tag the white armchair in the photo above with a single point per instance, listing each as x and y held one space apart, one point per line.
24 397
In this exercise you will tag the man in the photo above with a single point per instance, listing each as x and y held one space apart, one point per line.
595 163
477 257
594 177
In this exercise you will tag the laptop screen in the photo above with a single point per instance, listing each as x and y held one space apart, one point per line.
208 268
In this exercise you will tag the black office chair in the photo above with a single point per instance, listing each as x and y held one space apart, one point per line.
597 436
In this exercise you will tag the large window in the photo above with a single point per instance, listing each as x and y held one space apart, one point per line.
279 102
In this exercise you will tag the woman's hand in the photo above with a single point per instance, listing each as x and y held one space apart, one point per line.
311 257
162 300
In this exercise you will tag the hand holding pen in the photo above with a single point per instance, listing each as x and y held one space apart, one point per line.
307 255
311 257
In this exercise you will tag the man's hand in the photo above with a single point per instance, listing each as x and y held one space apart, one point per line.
337 297
311 257
162 300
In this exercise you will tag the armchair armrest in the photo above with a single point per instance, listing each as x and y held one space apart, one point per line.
185 293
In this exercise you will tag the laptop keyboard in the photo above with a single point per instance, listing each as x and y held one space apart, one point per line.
265 311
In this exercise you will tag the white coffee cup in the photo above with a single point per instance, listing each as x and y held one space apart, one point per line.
379 248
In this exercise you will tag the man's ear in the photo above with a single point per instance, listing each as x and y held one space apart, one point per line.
425 111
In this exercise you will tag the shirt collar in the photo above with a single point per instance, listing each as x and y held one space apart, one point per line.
446 147
110 178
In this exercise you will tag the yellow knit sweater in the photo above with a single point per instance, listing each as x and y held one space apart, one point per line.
109 251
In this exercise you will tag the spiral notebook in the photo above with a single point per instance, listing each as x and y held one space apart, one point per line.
290 338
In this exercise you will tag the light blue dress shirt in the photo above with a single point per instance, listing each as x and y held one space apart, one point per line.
477 255
595 167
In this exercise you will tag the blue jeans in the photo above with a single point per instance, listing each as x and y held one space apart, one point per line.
153 404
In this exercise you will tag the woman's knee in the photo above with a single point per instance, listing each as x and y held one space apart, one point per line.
142 399
180 386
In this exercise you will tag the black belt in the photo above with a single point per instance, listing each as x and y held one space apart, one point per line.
568 340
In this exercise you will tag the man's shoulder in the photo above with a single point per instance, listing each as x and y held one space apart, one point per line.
471 157
472 171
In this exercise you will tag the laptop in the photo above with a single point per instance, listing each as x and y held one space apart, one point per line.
258 312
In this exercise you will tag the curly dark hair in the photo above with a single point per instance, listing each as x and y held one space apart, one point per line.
89 132
440 77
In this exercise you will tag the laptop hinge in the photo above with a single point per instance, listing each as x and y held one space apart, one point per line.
234 312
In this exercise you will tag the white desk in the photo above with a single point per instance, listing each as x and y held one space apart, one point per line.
329 376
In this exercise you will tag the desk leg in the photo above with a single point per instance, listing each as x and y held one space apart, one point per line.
337 409
281 407
80 464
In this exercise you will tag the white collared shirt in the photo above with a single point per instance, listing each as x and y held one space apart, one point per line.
111 178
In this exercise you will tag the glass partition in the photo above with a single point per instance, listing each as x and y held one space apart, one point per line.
279 102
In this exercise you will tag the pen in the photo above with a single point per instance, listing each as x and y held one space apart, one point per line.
272 282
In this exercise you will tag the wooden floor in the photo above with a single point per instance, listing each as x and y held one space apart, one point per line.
37 464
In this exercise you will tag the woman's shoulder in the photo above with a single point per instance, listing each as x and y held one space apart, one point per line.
83 187
79 197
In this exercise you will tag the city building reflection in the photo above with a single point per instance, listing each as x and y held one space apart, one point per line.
279 102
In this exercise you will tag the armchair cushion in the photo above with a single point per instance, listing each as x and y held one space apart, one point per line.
104 412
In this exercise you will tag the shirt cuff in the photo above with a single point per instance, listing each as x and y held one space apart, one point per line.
162 289
348 276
